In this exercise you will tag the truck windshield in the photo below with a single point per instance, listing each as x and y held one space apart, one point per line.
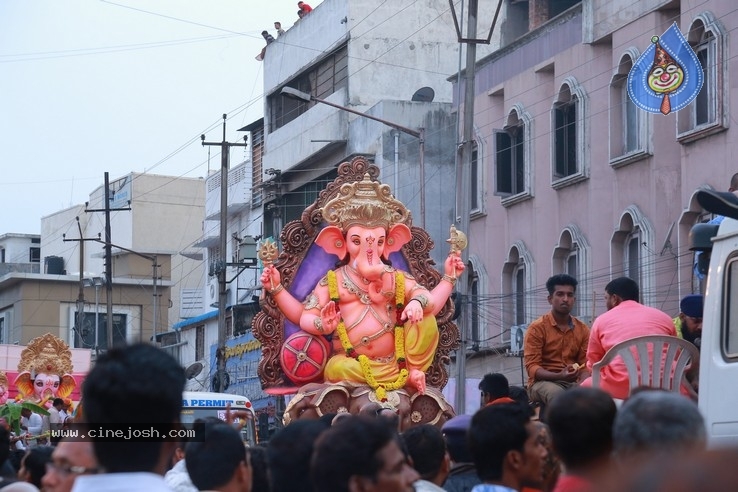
190 414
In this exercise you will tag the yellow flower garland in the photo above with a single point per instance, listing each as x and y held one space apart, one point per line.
380 389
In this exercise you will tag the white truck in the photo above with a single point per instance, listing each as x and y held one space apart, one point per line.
718 390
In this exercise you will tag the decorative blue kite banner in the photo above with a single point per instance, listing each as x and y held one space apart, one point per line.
667 76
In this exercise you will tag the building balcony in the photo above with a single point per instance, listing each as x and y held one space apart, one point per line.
239 191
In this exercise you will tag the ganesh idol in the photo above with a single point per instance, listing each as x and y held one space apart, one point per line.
45 371
3 387
377 321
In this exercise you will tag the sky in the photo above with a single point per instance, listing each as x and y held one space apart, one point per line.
120 86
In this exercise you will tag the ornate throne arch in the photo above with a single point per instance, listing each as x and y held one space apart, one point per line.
302 263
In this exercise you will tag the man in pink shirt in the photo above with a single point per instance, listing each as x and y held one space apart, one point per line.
625 318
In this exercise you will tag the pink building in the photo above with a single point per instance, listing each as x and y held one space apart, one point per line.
572 177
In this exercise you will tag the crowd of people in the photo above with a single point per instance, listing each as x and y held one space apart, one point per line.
555 434
655 440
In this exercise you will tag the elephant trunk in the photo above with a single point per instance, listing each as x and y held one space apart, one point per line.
369 267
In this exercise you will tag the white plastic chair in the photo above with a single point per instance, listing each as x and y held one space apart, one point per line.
672 357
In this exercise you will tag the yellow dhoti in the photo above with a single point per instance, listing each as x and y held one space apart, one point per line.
421 341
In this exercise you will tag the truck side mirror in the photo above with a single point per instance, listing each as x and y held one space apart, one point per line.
700 240
703 262
700 237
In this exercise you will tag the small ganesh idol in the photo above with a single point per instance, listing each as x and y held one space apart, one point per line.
45 371
380 321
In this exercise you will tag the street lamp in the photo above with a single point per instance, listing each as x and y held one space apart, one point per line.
96 282
293 93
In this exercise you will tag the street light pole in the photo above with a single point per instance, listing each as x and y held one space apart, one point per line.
293 93
463 203
463 176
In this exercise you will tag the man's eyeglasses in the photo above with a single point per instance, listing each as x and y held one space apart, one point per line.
66 470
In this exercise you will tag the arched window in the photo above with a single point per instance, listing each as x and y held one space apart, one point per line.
517 281
477 173
631 251
568 120
706 114
513 157
629 137
479 325
572 255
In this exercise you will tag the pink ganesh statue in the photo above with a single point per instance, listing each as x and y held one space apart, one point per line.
363 329
4 387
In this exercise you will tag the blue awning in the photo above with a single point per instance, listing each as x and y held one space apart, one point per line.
195 320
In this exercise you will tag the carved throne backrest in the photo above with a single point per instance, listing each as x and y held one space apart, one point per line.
299 277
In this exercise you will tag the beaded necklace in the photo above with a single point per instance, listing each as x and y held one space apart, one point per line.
380 389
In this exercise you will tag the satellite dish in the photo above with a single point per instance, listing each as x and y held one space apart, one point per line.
667 241
424 94
193 370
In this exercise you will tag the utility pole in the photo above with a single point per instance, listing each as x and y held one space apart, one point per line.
225 147
108 259
463 180
81 295
463 201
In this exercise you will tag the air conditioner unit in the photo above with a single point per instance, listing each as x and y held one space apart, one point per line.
517 334
212 292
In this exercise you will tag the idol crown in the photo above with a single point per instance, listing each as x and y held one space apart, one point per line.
367 203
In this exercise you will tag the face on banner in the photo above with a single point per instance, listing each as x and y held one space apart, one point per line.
667 76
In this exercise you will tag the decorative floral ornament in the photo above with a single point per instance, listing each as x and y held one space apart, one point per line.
380 389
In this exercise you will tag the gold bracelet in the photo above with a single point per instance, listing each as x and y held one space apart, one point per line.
318 324
449 278
279 288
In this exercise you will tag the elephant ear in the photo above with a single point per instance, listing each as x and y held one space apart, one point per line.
24 384
67 386
332 241
397 237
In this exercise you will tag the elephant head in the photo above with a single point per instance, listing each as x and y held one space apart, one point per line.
367 248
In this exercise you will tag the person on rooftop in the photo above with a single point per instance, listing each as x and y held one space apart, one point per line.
304 8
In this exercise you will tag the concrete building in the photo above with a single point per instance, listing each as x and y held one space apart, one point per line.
33 304
573 178
390 61
20 252
155 278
